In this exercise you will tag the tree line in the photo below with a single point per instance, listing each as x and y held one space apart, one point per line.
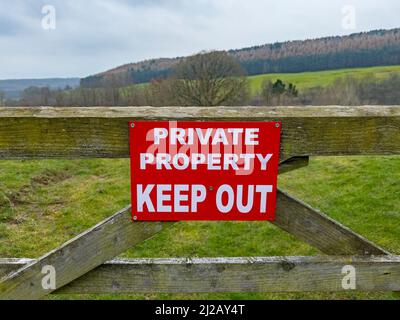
215 79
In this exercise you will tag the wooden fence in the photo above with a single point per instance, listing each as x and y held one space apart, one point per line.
83 264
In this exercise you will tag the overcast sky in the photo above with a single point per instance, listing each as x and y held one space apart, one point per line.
91 36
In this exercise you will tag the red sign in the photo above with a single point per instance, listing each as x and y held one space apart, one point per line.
204 171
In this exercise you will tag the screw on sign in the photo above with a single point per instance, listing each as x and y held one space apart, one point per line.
204 171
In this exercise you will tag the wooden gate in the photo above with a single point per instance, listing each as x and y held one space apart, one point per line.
83 264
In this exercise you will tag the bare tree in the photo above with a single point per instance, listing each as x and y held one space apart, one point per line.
210 79
343 92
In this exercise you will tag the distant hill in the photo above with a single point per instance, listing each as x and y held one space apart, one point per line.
14 88
367 49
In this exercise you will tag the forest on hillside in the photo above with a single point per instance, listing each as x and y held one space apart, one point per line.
374 48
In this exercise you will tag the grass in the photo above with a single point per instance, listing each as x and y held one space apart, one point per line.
308 80
45 203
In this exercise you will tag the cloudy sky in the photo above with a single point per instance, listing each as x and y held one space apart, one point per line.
91 36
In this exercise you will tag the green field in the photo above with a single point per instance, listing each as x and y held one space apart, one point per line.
45 203
308 80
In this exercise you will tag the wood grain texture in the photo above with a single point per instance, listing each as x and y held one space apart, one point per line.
272 274
79 255
102 132
317 229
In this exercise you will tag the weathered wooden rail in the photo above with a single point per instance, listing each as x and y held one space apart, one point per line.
97 132
35 133
199 275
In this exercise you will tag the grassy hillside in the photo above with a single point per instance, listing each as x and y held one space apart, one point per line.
308 80
44 203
